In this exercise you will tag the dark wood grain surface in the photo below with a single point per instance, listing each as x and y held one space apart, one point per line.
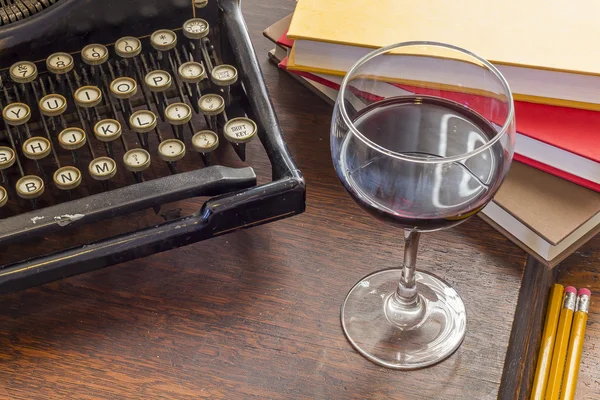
523 347
255 314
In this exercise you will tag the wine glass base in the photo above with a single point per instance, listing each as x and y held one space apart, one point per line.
435 338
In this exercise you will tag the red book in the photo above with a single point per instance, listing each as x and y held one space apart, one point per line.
284 41
562 141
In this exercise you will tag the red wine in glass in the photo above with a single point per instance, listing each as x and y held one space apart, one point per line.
417 195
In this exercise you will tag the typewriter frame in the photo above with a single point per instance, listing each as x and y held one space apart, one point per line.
246 207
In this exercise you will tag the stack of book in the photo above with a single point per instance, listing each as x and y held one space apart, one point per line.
550 203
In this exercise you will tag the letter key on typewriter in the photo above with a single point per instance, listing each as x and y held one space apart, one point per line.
115 110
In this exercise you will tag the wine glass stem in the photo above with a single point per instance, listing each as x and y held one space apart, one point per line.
404 307
407 287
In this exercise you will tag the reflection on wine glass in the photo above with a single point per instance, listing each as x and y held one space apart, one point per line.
422 137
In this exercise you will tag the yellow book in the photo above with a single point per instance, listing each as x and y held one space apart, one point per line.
546 49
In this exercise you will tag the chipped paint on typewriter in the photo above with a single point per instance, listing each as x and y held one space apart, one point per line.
113 113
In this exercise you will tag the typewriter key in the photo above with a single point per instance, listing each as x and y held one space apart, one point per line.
59 63
158 80
136 160
224 76
200 3
212 105
178 113
171 150
163 39
102 168
67 178
205 141
23 72
107 130
72 138
128 47
7 157
94 54
142 121
30 187
195 28
36 148
88 96
3 196
240 130
191 72
53 105
123 87
16 114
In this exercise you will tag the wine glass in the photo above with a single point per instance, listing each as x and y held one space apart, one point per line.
422 137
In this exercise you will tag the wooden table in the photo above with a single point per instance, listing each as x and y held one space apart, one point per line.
255 314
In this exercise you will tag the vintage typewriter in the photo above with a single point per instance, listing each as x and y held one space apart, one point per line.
115 108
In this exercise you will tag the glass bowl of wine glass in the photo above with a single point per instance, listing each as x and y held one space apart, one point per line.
422 137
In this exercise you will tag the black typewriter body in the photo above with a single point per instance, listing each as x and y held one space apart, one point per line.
113 107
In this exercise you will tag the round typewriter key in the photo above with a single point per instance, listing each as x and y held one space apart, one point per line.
171 150
205 141
23 72
16 114
158 80
163 39
123 87
36 148
7 157
178 113
128 47
240 130
72 138
200 3
3 196
224 75
67 178
53 104
136 160
102 168
211 104
59 63
142 121
107 130
94 54
195 28
191 72
30 187
88 96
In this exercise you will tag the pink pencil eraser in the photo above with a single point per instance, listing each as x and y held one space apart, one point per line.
570 289
584 292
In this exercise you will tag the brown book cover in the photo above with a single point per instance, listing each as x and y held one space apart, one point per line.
553 208
547 216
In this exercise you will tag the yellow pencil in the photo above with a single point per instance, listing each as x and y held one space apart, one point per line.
569 384
561 344
547 345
